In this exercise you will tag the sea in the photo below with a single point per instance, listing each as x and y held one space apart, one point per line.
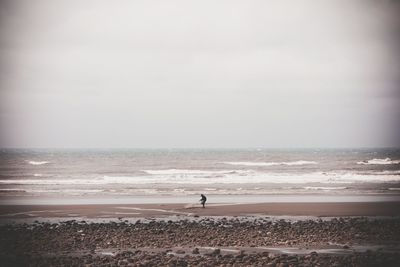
181 175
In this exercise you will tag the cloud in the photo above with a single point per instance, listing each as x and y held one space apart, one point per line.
185 73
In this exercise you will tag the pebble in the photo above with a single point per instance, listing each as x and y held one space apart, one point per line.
63 244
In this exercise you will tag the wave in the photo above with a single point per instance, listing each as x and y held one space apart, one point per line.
192 172
12 190
58 190
38 162
253 163
325 188
386 161
387 172
217 177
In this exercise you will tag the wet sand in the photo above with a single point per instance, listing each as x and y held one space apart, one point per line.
160 210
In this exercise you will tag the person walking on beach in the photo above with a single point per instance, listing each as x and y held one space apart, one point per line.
203 200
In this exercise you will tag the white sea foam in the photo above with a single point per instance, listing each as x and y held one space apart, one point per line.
386 161
239 177
61 191
37 162
253 163
48 181
191 172
325 188
159 210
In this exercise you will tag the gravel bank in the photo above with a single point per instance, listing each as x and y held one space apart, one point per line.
183 243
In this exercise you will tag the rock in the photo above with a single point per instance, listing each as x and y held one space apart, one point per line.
185 235
216 252
314 253
182 263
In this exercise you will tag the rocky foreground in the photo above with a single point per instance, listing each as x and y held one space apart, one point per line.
203 242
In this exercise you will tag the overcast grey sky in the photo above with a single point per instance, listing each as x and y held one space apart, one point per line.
199 73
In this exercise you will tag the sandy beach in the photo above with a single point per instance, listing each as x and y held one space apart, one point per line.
220 209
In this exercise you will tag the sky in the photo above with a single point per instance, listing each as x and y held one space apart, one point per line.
199 74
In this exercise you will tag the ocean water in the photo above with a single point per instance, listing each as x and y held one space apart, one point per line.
189 172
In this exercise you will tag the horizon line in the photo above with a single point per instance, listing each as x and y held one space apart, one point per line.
195 148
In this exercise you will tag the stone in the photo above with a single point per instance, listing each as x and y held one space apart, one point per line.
216 252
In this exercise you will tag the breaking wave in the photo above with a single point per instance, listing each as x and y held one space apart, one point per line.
38 162
386 161
253 163
325 188
192 172
217 177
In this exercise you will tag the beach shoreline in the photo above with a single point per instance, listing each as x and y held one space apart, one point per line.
338 209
